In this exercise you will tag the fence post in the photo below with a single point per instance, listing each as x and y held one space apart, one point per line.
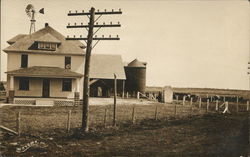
191 101
105 118
18 123
68 121
183 101
127 94
207 105
115 95
175 110
237 104
177 98
133 115
217 105
200 102
247 105
156 112
191 110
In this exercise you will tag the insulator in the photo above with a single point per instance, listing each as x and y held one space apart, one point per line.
80 36
112 10
103 23
111 23
96 36
68 24
117 36
74 36
120 9
81 24
76 11
97 10
97 23
103 36
75 23
69 11
110 36
83 11
105 10
67 36
118 22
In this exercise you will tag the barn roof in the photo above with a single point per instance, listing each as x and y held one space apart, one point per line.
105 66
25 43
44 71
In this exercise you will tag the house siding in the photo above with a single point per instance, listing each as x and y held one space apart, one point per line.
77 65
35 88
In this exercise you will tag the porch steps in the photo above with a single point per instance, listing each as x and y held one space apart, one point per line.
44 102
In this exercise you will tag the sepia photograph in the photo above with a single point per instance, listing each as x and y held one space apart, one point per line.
125 78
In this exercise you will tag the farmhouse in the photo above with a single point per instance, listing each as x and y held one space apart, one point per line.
43 66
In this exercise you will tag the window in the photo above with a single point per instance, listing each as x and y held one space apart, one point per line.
23 83
41 45
66 84
47 45
53 46
67 62
24 61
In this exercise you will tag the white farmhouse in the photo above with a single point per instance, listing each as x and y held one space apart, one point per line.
46 66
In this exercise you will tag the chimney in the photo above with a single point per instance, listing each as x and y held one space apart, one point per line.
46 24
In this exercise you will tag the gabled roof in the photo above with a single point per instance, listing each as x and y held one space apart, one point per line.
15 38
48 38
105 66
44 71
25 43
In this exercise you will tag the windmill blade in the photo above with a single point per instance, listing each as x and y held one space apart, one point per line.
41 11
29 9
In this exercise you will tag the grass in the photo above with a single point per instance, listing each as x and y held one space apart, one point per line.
191 133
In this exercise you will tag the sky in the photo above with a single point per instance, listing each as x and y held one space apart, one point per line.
186 43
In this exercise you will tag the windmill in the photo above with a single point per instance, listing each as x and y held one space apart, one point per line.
30 11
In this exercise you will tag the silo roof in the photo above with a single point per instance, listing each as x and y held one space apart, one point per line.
136 63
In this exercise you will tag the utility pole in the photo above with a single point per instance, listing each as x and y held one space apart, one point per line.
90 28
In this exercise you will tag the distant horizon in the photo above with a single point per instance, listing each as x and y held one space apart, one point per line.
187 44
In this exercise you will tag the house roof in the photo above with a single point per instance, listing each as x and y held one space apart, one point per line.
25 43
136 63
105 66
44 71
15 38
48 38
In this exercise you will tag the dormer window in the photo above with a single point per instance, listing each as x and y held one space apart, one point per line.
47 46
48 42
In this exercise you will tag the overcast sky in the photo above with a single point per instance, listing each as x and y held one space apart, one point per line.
185 43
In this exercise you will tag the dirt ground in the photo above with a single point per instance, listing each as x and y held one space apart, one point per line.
200 135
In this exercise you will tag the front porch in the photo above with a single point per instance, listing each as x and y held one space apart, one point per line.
44 86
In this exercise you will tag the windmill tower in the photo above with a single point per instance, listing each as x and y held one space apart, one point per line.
30 11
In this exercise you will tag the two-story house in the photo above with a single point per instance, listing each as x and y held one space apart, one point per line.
46 65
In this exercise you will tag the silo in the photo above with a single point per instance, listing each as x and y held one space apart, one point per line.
136 76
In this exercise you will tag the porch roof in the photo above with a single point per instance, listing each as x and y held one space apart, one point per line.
44 71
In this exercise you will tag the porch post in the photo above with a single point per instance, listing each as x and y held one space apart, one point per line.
11 90
123 87
77 92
